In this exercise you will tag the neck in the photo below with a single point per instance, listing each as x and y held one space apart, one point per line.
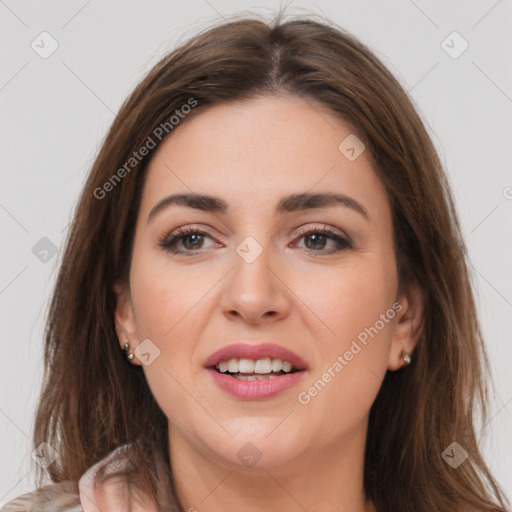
327 480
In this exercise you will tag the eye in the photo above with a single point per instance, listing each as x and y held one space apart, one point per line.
188 241
189 238
316 240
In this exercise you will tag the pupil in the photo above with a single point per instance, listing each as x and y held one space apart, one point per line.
197 239
316 237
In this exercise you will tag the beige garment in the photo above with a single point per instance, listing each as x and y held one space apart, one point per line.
90 495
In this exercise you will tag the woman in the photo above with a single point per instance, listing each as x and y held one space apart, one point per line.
268 237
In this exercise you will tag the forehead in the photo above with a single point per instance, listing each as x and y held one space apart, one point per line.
255 152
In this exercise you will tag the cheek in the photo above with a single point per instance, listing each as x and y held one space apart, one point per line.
162 296
357 317
172 307
162 302
346 300
157 306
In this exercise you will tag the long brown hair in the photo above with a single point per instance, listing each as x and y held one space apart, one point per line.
93 401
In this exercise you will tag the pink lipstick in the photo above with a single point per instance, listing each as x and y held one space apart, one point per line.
255 372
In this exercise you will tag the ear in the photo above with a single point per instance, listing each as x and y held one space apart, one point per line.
124 319
408 325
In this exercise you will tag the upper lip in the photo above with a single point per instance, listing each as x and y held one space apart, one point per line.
251 351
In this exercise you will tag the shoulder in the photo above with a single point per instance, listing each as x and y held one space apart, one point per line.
60 497
92 487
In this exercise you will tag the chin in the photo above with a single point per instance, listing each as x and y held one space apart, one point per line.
257 445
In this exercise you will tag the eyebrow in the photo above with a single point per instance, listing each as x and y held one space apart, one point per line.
291 203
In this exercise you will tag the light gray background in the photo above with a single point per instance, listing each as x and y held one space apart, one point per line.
55 111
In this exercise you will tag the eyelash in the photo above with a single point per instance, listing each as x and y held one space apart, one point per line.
168 242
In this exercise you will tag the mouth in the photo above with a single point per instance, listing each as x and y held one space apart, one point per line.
251 369
255 372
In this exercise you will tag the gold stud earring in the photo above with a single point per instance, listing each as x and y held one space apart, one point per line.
406 358
129 356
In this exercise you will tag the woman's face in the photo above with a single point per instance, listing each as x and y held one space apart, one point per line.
265 261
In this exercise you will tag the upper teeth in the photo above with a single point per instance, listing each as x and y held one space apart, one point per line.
266 365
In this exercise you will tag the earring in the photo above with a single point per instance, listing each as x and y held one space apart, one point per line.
128 356
406 358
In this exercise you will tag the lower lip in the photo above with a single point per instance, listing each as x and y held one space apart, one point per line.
255 389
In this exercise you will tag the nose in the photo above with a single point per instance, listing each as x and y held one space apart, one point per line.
255 292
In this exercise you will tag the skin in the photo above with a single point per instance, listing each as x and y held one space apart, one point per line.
251 154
